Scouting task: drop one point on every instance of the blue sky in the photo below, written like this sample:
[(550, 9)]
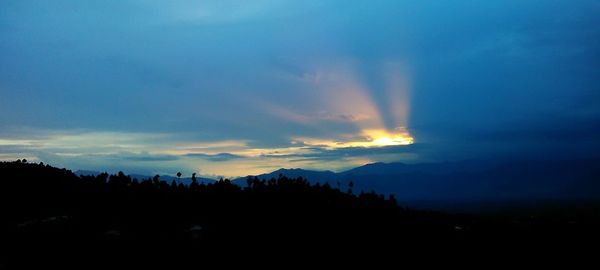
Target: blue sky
[(231, 88)]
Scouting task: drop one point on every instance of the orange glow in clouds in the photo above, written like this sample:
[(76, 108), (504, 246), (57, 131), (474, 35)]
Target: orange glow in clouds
[(384, 138), (344, 93), (369, 138)]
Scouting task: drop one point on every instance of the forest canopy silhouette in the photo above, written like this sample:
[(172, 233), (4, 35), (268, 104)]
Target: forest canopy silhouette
[(46, 209)]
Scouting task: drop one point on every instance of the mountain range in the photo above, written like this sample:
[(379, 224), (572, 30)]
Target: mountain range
[(466, 180), (474, 180)]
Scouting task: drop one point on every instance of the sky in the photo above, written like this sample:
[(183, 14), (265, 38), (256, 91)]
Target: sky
[(231, 88)]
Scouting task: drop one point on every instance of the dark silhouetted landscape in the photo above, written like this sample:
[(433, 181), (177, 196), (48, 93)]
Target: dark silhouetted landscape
[(191, 134), (62, 219)]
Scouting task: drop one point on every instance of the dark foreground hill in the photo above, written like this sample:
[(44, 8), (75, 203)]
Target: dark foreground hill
[(52, 217)]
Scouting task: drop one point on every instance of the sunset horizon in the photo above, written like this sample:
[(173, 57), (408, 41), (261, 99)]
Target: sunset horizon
[(235, 88)]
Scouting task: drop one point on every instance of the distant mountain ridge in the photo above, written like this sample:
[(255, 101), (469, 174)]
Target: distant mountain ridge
[(450, 181), (467, 180)]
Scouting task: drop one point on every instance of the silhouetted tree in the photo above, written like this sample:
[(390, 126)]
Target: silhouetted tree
[(392, 199), (249, 181), (102, 178)]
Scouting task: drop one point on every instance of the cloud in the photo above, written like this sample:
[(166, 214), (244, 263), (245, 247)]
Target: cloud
[(148, 157), (107, 150), (324, 154), (236, 87), (556, 130), (214, 12), (216, 157)]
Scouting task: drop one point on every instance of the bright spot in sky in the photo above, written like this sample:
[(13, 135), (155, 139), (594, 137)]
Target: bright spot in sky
[(369, 138), (385, 138)]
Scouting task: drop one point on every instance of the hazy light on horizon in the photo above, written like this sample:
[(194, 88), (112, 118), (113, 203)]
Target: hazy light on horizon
[(232, 87)]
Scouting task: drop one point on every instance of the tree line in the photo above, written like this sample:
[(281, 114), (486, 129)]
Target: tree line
[(45, 208)]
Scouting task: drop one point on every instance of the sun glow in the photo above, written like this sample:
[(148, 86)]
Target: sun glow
[(382, 121), (368, 139), (385, 138)]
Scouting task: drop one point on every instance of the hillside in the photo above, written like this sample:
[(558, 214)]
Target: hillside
[(468, 180), (54, 214)]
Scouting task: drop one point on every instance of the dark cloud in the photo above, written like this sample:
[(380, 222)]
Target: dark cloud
[(216, 157), (13, 149), (323, 154), (149, 157), (484, 78), (555, 130)]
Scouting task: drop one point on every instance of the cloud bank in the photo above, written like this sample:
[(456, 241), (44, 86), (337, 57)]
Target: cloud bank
[(240, 87)]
